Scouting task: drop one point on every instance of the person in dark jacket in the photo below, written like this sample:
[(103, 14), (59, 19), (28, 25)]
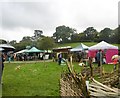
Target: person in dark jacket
[(1, 65), (99, 57), (59, 58)]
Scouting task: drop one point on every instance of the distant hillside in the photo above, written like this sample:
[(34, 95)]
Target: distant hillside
[(76, 44)]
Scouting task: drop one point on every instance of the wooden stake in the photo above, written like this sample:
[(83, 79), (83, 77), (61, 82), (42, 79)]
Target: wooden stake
[(104, 86)]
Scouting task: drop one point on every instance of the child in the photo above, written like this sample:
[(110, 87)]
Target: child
[(115, 63)]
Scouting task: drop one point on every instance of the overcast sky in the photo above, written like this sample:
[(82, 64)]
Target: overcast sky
[(20, 18)]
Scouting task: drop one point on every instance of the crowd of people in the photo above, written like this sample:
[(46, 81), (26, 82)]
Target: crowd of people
[(100, 58), (25, 57)]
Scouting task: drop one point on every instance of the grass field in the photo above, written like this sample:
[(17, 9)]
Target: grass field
[(35, 79), (32, 79)]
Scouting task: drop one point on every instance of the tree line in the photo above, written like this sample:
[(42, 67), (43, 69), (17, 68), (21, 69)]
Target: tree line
[(65, 34)]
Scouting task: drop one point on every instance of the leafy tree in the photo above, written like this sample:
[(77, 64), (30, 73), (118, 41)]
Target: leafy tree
[(63, 34), (37, 35), (46, 43), (13, 42), (82, 36), (3, 41), (105, 34), (90, 33), (115, 35), (22, 45), (26, 38), (26, 41), (75, 37)]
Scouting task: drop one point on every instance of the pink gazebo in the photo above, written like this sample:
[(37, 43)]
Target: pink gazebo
[(109, 49)]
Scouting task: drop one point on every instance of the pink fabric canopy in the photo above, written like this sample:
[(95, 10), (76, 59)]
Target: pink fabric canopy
[(109, 54), (110, 50)]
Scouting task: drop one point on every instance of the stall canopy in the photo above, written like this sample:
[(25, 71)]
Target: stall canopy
[(108, 49), (34, 50), (22, 51), (7, 47), (62, 49), (80, 48), (1, 49), (103, 45)]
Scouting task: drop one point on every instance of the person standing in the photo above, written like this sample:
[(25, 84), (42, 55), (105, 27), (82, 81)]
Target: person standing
[(99, 57), (59, 58), (91, 66), (2, 59), (53, 57), (115, 63)]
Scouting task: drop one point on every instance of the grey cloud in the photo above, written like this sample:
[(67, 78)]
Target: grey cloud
[(48, 14), (27, 14)]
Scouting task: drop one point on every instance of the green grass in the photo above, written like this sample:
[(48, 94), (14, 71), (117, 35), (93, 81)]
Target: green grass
[(107, 67), (34, 79)]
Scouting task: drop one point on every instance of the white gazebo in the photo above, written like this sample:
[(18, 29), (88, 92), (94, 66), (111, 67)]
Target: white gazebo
[(21, 51), (103, 45), (7, 47), (81, 47)]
